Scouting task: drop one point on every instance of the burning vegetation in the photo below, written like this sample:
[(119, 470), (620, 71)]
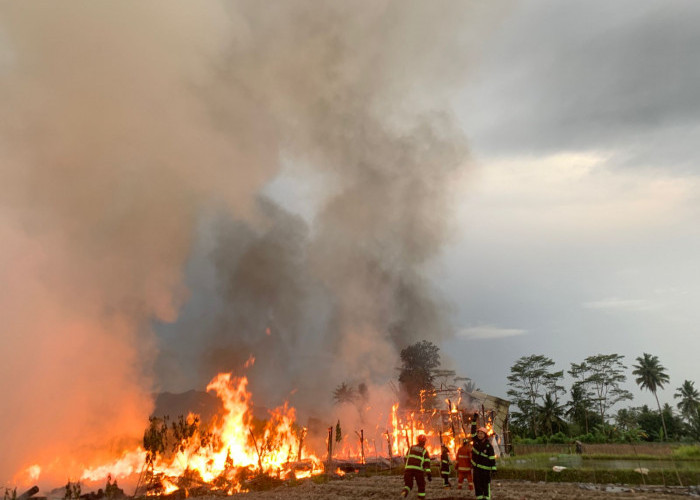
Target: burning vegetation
[(237, 452), (239, 449)]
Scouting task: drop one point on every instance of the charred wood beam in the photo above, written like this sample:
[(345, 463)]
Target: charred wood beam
[(29, 493)]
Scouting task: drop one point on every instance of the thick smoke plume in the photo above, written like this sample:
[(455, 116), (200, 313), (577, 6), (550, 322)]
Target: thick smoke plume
[(135, 133)]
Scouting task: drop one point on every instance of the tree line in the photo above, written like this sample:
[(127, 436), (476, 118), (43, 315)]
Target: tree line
[(538, 412)]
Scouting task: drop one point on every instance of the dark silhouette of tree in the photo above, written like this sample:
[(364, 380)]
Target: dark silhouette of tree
[(626, 419), (689, 403), (605, 375), (581, 396), (468, 385), (442, 376), (357, 396), (530, 380), (651, 376), (550, 414), (338, 432), (419, 362), (344, 393), (578, 407)]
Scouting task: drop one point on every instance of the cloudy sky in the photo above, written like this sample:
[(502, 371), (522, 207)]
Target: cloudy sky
[(578, 226)]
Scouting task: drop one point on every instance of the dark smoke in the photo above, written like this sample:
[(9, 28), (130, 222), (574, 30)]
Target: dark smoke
[(136, 143), (360, 98)]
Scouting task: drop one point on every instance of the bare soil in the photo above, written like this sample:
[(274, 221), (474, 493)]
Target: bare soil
[(390, 487)]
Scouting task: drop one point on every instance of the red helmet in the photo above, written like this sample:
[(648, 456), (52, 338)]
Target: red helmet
[(422, 439)]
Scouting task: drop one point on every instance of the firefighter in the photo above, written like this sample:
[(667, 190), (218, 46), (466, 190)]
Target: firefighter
[(445, 466), (464, 457), (417, 467), (483, 463), (464, 465)]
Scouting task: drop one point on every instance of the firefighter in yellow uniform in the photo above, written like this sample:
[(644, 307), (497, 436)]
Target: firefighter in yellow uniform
[(445, 466), (484, 464), (417, 468)]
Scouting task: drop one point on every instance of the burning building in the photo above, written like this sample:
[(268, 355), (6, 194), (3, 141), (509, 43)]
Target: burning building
[(237, 449)]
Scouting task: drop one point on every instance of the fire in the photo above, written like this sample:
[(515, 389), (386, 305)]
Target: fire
[(302, 474), (230, 453), (169, 487), (235, 442)]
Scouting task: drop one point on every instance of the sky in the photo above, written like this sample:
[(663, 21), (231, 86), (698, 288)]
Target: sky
[(321, 184), (578, 227)]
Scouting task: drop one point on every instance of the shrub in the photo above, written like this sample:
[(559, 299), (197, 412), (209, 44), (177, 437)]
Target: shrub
[(687, 452)]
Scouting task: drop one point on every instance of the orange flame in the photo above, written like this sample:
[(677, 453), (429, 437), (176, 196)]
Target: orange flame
[(236, 442)]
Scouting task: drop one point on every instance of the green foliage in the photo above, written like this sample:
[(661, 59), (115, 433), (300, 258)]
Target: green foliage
[(154, 437), (161, 438), (549, 415), (689, 405), (338, 433), (605, 375), (531, 380), (687, 452), (652, 376)]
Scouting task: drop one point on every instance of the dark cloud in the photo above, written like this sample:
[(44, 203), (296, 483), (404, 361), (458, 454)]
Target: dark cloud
[(593, 75)]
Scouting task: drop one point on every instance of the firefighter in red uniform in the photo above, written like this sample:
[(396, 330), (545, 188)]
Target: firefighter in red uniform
[(417, 467), (464, 457), (445, 466), (484, 464)]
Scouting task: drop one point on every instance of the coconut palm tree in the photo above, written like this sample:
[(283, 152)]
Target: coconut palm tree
[(689, 403), (651, 375), (550, 414)]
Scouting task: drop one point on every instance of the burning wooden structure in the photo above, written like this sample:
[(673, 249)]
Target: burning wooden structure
[(238, 452)]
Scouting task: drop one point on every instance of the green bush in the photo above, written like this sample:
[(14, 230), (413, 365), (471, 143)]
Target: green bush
[(687, 452), (559, 438)]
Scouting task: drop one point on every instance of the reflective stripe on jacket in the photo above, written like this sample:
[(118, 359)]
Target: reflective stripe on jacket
[(418, 458), (483, 456), (464, 457), (445, 463)]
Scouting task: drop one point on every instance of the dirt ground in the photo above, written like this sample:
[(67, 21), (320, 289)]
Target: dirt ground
[(390, 487)]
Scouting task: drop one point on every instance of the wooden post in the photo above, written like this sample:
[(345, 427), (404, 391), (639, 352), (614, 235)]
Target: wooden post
[(391, 455), (302, 434), (330, 448), (362, 444)]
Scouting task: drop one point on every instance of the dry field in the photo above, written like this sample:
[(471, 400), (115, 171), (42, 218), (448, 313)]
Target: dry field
[(390, 487)]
